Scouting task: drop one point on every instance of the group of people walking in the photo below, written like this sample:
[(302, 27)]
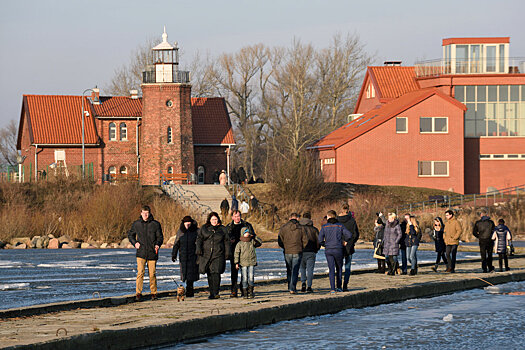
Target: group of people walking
[(206, 250)]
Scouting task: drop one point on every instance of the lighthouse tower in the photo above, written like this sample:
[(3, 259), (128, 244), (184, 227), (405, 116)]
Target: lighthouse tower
[(167, 130)]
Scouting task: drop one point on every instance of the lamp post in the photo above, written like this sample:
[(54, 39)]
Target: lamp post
[(20, 159), (84, 113)]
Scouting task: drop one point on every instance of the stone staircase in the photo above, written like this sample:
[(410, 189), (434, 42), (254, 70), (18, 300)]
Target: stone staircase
[(202, 198)]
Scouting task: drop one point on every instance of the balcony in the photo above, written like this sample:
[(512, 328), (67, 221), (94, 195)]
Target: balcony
[(436, 68), (175, 76)]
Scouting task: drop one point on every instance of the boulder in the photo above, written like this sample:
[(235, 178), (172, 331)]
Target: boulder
[(3, 245), (64, 239), (124, 243), (39, 244), (8, 246), (51, 236), (66, 246), (74, 244), (21, 246), (24, 240), (114, 245), (34, 242), (129, 246), (85, 245), (53, 244), (104, 245), (171, 240)]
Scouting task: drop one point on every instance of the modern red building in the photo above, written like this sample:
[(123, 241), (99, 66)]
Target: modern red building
[(457, 123), (164, 131)]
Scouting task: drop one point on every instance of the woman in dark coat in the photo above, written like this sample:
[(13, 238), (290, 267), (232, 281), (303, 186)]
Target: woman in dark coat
[(391, 237), (379, 231), (439, 242), (213, 248), (185, 247)]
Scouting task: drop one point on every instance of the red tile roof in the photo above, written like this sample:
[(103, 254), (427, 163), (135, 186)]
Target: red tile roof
[(211, 122), (58, 119), (393, 81), (378, 116), (118, 106)]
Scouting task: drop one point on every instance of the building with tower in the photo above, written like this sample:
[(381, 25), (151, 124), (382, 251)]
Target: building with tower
[(165, 131), (455, 123)]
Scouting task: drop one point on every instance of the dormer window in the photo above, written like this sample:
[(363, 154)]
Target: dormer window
[(370, 91)]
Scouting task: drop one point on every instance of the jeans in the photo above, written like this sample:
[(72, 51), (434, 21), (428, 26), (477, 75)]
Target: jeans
[(307, 268), (412, 256), (404, 264), (485, 249), (293, 262), (348, 269), (334, 258), (451, 252), (141, 268), (247, 276), (441, 255)]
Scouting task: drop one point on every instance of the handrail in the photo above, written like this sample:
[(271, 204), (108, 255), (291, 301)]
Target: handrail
[(177, 193), (460, 199), (265, 209)]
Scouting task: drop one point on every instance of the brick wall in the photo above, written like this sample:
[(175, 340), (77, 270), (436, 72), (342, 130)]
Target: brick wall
[(211, 158), (383, 157)]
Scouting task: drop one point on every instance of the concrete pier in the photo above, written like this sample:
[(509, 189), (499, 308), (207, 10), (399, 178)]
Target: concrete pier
[(117, 323)]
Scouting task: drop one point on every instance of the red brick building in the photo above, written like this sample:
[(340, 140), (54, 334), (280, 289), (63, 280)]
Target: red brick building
[(164, 131), (457, 123)]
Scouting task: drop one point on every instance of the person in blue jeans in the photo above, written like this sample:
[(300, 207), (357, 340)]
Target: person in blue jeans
[(412, 239), (309, 252), (333, 237), (347, 219), (292, 238)]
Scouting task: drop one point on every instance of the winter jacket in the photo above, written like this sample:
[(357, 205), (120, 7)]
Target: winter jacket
[(437, 236), (235, 204), (502, 237), (185, 246), (392, 237), (332, 235), (483, 229), (379, 233), (403, 227), (244, 254), (212, 249), (225, 205), (349, 222), (413, 237), (292, 237), (452, 231), (312, 233), (234, 232), (149, 234)]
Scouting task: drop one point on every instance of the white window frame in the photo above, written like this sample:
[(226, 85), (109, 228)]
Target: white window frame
[(328, 161), (500, 156), (433, 126), (432, 168), (125, 170), (406, 125), (169, 135), (112, 127), (123, 132), (370, 91)]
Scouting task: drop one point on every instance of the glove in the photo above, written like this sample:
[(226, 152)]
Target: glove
[(173, 259)]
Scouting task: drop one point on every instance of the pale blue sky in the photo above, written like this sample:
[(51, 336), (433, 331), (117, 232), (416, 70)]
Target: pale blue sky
[(65, 47)]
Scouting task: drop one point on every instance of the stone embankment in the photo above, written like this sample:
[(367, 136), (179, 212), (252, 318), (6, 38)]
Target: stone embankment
[(119, 323)]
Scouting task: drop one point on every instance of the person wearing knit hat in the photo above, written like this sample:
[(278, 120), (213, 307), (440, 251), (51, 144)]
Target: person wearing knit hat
[(245, 259), (184, 246)]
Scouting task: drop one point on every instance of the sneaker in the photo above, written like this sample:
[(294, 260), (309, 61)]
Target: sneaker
[(293, 292), (507, 269), (332, 292), (138, 297), (303, 288), (345, 288), (404, 273), (309, 290), (153, 296), (434, 268)]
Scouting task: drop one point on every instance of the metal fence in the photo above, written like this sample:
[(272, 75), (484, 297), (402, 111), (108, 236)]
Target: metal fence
[(26, 173)]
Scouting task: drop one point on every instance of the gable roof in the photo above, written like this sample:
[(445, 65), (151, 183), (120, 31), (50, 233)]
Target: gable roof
[(118, 106), (55, 119), (211, 122), (378, 116)]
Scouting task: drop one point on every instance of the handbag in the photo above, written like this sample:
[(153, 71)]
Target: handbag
[(378, 253)]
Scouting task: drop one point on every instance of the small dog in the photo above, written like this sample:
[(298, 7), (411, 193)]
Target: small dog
[(181, 293)]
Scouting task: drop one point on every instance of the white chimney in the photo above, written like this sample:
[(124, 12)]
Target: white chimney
[(134, 94)]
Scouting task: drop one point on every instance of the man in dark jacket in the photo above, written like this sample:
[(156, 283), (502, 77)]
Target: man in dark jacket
[(146, 235), (292, 239), (483, 230), (234, 229), (235, 204), (333, 237), (309, 252), (346, 218), (225, 209)]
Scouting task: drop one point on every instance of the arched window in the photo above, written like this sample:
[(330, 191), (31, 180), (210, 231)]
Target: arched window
[(112, 170), (200, 174), (170, 170), (112, 132), (123, 169), (123, 132), (170, 136)]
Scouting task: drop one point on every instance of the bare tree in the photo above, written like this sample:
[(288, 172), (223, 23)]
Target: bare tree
[(8, 138)]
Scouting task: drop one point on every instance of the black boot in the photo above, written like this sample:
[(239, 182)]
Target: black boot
[(189, 290), (234, 291), (435, 268), (250, 293)]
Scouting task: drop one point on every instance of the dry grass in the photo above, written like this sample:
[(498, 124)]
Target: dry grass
[(82, 210)]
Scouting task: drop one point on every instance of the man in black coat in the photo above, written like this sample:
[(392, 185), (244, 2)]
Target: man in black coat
[(483, 230), (146, 235), (346, 218), (234, 229)]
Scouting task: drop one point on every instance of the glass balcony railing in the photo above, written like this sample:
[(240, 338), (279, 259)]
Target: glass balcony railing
[(176, 76), (434, 68)]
